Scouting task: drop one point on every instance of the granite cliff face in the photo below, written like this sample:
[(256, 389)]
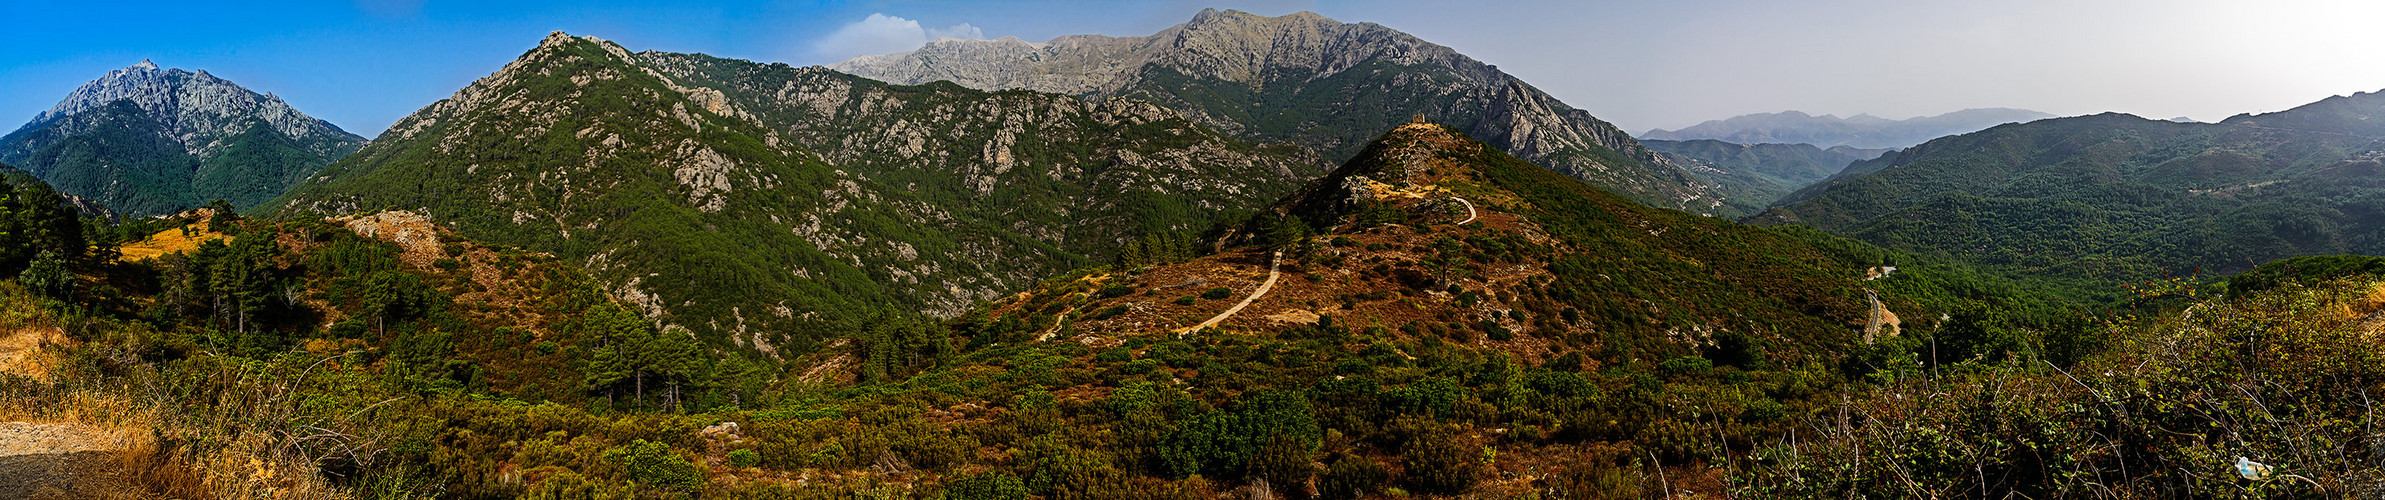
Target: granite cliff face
[(1313, 82), (146, 140), (773, 207)]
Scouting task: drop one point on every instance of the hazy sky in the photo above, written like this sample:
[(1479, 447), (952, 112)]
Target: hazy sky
[(1641, 64)]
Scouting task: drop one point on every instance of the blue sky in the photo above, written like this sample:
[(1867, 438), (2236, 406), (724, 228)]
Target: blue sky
[(364, 64)]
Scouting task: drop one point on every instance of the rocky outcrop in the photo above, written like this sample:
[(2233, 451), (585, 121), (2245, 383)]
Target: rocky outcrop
[(1313, 82)]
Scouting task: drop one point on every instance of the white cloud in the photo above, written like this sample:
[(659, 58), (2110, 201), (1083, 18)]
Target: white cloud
[(884, 34)]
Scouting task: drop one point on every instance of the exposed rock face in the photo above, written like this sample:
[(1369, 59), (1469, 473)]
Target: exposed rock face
[(199, 108), (146, 140), (412, 232), (705, 189), (1227, 45), (1310, 81)]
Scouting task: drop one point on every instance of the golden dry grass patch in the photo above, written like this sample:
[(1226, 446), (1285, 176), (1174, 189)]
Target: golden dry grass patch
[(22, 351), (2368, 309), (175, 240)]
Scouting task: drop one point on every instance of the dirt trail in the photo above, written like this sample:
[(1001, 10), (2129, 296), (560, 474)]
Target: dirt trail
[(1470, 214), (45, 461), (1881, 319), (58, 461), (1274, 270)]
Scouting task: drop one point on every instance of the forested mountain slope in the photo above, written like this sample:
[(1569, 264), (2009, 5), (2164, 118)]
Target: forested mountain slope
[(1761, 173), (690, 185), (2120, 197)]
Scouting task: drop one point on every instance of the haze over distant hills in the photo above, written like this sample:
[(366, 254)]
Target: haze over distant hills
[(1314, 82), (1761, 173), (1861, 131), (2122, 197), (143, 140)]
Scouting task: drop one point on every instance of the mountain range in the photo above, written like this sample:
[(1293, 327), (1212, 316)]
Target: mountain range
[(145, 141), (1245, 257), (1761, 173), (1319, 84), (780, 206), (2121, 197), (1860, 131)]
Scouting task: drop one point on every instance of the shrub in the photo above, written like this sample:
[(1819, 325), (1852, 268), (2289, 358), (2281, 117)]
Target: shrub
[(1437, 462), (1349, 478), (1284, 462), (1107, 312), (1216, 293), (1686, 365), (1141, 366), (994, 485), (1186, 300), (653, 464), (744, 458)]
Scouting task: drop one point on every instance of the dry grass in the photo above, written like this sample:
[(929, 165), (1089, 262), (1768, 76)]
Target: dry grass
[(170, 241), (237, 449), (22, 353)]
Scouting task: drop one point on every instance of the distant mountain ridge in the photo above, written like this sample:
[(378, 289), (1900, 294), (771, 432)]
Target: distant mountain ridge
[(144, 141), (773, 207), (1314, 82), (2117, 196), (1762, 173), (1860, 131)]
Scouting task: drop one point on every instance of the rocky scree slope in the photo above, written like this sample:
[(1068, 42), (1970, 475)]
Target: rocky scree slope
[(689, 184), (148, 141), (2115, 196), (1320, 84)]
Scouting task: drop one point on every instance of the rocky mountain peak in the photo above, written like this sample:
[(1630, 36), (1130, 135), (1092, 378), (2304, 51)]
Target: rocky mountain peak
[(198, 107), (145, 140), (1313, 82)]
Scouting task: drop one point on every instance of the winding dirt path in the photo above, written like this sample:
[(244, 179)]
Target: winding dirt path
[(1470, 214), (1274, 270), (1880, 317)]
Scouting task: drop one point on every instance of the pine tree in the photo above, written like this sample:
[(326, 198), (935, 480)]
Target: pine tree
[(619, 338), (676, 357)]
